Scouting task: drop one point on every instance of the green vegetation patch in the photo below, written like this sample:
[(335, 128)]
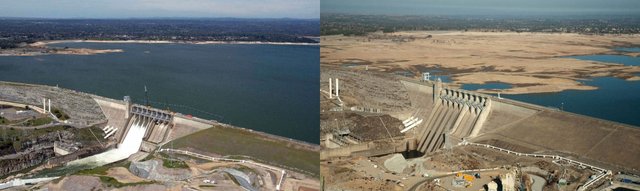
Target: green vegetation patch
[(112, 182), (169, 163), (3, 120), (38, 121), (86, 135), (59, 114), (245, 169), (16, 136), (102, 170), (231, 141)]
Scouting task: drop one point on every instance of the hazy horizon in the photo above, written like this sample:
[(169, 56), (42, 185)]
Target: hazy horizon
[(162, 18), (131, 9), (486, 7)]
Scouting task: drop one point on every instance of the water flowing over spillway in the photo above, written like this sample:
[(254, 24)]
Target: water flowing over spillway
[(129, 146)]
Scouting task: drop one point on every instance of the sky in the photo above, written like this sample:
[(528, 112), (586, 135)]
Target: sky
[(304, 9), (482, 7)]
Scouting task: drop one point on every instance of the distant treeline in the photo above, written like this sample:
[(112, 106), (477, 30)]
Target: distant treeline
[(346, 24), (14, 31)]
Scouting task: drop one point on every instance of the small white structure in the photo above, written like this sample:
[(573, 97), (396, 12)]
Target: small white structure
[(338, 88), (508, 182), (44, 106), (492, 186), (330, 88)]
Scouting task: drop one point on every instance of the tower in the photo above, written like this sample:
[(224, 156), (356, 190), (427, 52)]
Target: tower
[(436, 89), (330, 89), (44, 105), (337, 87), (127, 103)]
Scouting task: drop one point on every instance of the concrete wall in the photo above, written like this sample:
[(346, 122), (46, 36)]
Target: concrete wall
[(115, 113), (183, 126), (458, 112), (365, 150), (504, 113)]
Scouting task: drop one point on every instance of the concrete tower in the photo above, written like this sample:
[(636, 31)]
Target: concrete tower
[(436, 89), (44, 105), (127, 104), (337, 87), (330, 89)]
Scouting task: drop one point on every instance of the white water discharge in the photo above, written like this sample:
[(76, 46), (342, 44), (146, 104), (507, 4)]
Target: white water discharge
[(129, 146)]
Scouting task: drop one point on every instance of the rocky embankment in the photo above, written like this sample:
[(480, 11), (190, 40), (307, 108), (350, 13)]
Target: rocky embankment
[(19, 152), (153, 170), (80, 107), (25, 160)]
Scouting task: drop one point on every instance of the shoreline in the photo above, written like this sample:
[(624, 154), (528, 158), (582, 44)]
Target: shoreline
[(303, 144), (44, 43), (532, 62), (41, 48)]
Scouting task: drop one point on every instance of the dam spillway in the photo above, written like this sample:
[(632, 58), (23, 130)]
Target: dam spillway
[(130, 145), (456, 114), (144, 124)]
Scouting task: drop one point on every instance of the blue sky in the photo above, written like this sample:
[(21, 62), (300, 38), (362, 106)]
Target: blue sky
[(481, 7), (160, 8)]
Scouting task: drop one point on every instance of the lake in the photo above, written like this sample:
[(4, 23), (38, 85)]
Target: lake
[(618, 59), (269, 88), (615, 99)]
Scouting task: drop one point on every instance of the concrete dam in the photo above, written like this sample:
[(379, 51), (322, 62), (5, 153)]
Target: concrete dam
[(436, 116), (135, 128), (456, 114)]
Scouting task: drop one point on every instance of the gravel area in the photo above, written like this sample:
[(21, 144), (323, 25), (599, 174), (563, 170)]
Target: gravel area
[(367, 89), (80, 107)]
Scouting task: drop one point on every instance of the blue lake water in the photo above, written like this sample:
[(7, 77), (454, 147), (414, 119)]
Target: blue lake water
[(619, 59), (486, 86), (436, 73), (269, 88), (628, 49), (615, 99)]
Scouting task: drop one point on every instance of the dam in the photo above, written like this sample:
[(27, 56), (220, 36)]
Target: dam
[(136, 128), (456, 114), (451, 116)]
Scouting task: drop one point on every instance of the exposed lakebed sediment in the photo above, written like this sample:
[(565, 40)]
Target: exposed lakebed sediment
[(530, 62)]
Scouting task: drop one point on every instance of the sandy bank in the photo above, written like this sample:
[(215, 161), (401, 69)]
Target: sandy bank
[(531, 62)]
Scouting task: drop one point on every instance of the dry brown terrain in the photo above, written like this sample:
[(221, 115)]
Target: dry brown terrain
[(41, 48), (532, 62)]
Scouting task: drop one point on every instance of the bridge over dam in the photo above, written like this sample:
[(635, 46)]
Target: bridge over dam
[(450, 115)]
